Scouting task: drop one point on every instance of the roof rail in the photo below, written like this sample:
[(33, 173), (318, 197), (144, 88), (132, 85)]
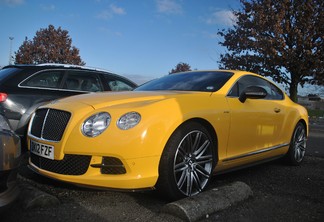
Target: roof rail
[(72, 66)]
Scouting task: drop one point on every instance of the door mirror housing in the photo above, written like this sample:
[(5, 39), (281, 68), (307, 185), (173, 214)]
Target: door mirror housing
[(253, 92)]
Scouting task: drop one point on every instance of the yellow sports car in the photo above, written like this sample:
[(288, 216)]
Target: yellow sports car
[(171, 133)]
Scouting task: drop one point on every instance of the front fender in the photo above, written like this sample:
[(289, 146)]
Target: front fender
[(146, 139)]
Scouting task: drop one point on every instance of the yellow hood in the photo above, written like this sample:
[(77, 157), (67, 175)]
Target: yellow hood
[(109, 99)]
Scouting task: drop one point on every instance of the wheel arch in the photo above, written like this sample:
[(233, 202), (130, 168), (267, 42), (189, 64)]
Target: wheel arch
[(294, 157), (302, 121), (167, 183)]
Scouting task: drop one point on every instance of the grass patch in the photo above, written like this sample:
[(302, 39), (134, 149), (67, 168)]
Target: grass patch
[(315, 113)]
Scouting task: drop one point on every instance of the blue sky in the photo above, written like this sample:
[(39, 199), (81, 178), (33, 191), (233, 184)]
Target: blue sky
[(140, 39)]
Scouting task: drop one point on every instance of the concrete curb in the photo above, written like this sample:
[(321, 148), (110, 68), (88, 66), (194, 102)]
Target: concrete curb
[(208, 202), (31, 197)]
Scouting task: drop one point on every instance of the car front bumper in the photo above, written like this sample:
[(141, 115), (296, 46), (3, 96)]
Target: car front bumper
[(139, 174)]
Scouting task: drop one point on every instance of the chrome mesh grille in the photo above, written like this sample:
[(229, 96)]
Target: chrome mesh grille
[(49, 124)]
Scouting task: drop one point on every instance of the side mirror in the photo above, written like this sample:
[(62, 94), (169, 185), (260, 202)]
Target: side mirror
[(253, 92)]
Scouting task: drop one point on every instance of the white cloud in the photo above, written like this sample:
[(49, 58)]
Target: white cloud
[(105, 15), (48, 7), (13, 2), (221, 17), (168, 7), (109, 32), (117, 10), (110, 12)]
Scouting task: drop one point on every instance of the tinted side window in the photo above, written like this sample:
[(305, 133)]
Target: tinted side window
[(276, 93), (47, 79), (82, 81), (246, 81), (116, 83)]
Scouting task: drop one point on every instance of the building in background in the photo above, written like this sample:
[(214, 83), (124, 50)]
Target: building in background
[(312, 101)]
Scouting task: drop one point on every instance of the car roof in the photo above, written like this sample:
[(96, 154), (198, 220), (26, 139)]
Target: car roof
[(58, 66), (55, 65)]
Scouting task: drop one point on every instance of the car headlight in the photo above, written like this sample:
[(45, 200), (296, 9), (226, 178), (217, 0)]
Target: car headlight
[(96, 124), (128, 120)]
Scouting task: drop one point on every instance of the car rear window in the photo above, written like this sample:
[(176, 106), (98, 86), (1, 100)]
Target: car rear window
[(4, 73), (46, 79)]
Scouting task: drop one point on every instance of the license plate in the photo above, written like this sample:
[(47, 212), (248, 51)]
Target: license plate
[(42, 150)]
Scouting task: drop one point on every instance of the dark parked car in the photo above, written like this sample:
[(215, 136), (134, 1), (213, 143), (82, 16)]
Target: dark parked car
[(10, 152), (23, 88)]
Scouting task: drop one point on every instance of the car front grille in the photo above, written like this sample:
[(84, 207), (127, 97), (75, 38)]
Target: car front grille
[(69, 165), (49, 124)]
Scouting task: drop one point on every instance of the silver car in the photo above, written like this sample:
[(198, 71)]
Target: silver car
[(10, 153)]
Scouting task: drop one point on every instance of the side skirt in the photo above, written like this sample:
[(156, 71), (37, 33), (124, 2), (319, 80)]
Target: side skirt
[(256, 152), (248, 165)]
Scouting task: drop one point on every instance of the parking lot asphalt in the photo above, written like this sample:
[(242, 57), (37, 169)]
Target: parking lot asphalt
[(269, 192), (188, 209)]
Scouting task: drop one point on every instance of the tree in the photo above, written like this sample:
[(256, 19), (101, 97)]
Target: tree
[(181, 67), (50, 45), (282, 39)]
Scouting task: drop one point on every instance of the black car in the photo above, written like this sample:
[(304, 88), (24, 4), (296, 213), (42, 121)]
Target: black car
[(23, 88), (10, 155)]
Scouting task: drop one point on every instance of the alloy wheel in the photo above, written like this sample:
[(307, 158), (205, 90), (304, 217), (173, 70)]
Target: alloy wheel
[(193, 163)]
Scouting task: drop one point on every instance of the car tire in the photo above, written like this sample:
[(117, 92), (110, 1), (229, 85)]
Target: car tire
[(297, 148), (187, 162)]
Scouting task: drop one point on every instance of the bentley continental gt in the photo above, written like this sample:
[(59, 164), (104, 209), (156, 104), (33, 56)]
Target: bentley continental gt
[(171, 134)]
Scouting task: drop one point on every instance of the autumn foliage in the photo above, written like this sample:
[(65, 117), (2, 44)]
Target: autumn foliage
[(278, 38), (181, 67), (49, 45)]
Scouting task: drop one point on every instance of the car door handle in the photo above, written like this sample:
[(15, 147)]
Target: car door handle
[(277, 110)]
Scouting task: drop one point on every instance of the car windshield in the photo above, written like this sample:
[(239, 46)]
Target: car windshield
[(206, 81)]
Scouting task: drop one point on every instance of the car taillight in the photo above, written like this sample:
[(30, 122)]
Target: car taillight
[(3, 97)]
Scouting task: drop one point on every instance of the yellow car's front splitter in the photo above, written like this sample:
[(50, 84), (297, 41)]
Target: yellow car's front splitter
[(141, 173)]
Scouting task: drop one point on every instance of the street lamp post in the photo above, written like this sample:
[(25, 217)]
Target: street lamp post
[(10, 57)]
